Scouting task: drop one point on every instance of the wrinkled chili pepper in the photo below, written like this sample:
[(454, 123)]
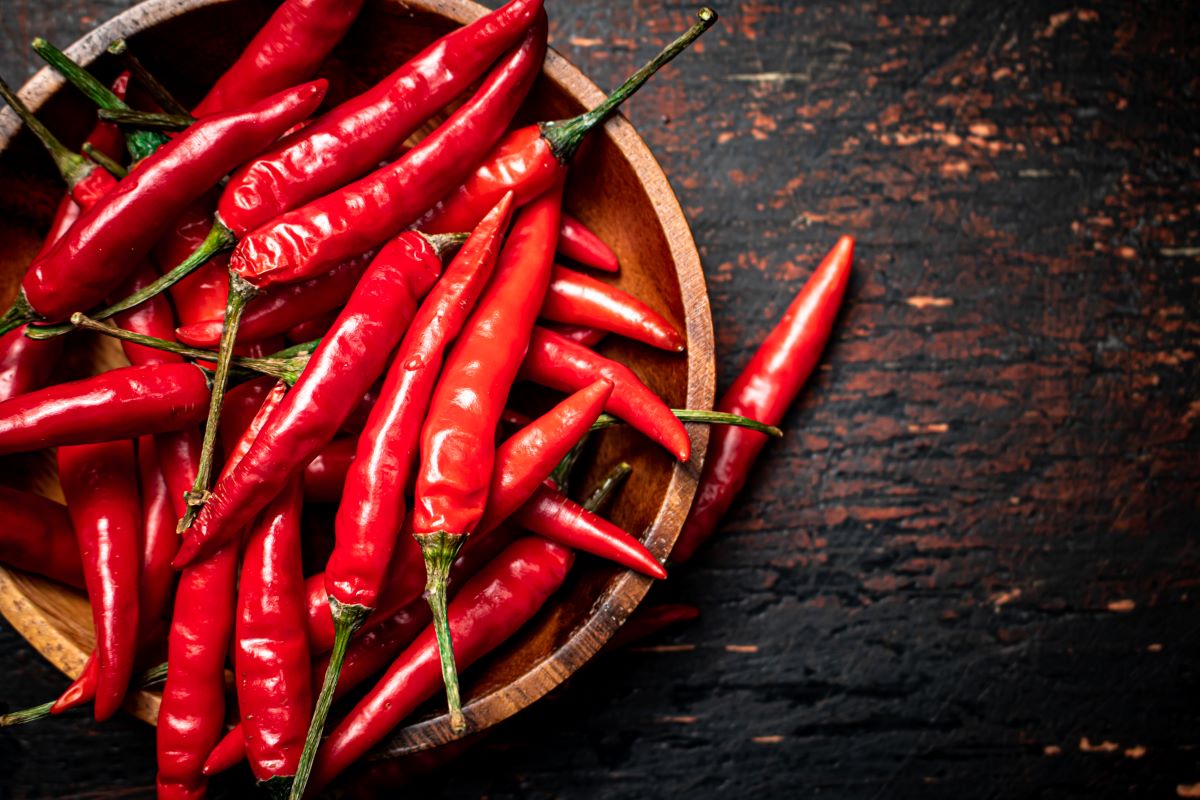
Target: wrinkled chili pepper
[(561, 364), (530, 160), (100, 484), (577, 242), (37, 537), (191, 717), (457, 439), (271, 660), (580, 299), (118, 404), (763, 391), (348, 360)]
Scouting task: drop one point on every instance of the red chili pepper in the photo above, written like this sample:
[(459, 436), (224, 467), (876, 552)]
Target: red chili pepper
[(577, 242), (271, 659), (116, 233), (764, 390), (530, 160), (201, 295), (588, 337), (353, 138), (283, 306), (37, 537), (325, 475), (490, 607), (179, 457), (155, 317), (118, 404), (309, 240), (561, 364), (287, 49), (457, 439), (191, 717), (649, 620), (313, 328), (99, 482), (580, 299), (348, 361)]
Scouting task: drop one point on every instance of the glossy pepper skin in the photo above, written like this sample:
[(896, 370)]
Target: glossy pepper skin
[(121, 403), (309, 240), (154, 317), (288, 49), (487, 610), (577, 242), (108, 240), (561, 364), (351, 139), (100, 484), (192, 715), (348, 361), (271, 659), (763, 391), (37, 537), (201, 295), (580, 299)]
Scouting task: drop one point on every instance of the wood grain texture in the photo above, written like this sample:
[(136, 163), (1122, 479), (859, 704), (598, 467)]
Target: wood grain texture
[(969, 570)]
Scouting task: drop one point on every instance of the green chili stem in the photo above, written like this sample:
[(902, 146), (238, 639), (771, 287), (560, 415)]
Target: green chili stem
[(440, 550), (103, 160), (146, 78), (697, 415), (565, 135), (151, 677), (145, 120), (607, 487), (72, 166), (17, 315)]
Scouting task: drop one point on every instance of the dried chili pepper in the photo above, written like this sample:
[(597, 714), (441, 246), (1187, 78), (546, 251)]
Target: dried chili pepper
[(530, 160), (578, 243), (37, 537), (100, 484), (764, 390), (580, 299)]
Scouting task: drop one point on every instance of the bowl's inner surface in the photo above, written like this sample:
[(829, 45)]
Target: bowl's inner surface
[(605, 190)]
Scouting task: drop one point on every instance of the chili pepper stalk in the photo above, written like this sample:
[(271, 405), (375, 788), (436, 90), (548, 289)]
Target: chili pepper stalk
[(71, 166), (145, 120), (102, 160), (160, 93)]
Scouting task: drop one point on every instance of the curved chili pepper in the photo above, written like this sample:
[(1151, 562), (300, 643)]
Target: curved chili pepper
[(271, 659), (580, 299), (288, 49), (351, 139), (763, 391), (348, 360), (110, 238), (191, 717), (561, 364), (577, 242), (309, 240), (487, 610), (457, 439), (99, 483), (588, 337), (118, 404), (325, 475), (530, 160), (37, 537)]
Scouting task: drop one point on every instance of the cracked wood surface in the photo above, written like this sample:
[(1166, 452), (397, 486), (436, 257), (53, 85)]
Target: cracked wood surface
[(971, 566)]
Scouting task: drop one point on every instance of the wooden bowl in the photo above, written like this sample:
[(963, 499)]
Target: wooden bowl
[(618, 189)]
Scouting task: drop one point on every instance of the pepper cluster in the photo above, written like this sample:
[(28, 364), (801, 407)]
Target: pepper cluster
[(416, 287)]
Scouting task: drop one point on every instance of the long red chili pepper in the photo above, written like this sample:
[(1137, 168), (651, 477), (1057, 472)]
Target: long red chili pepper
[(577, 242), (100, 484), (580, 299), (191, 717), (271, 659), (201, 295), (487, 610), (457, 439), (287, 49), (120, 403), (351, 139), (37, 537), (530, 160), (348, 360), (763, 391), (109, 239), (561, 364)]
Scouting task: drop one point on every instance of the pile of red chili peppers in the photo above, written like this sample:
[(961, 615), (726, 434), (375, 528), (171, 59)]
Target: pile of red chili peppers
[(416, 288)]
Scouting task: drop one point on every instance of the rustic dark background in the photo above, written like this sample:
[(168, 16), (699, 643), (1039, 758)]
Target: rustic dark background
[(971, 568)]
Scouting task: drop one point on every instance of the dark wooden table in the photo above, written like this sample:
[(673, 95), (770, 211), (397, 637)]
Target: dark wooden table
[(971, 568)]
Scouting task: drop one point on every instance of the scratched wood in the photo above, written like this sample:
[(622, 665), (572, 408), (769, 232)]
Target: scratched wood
[(970, 569)]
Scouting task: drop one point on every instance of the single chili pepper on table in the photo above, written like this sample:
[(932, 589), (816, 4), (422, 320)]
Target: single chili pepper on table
[(37, 537), (530, 160), (347, 361), (457, 439), (577, 242), (764, 390), (580, 299), (192, 714), (99, 482)]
